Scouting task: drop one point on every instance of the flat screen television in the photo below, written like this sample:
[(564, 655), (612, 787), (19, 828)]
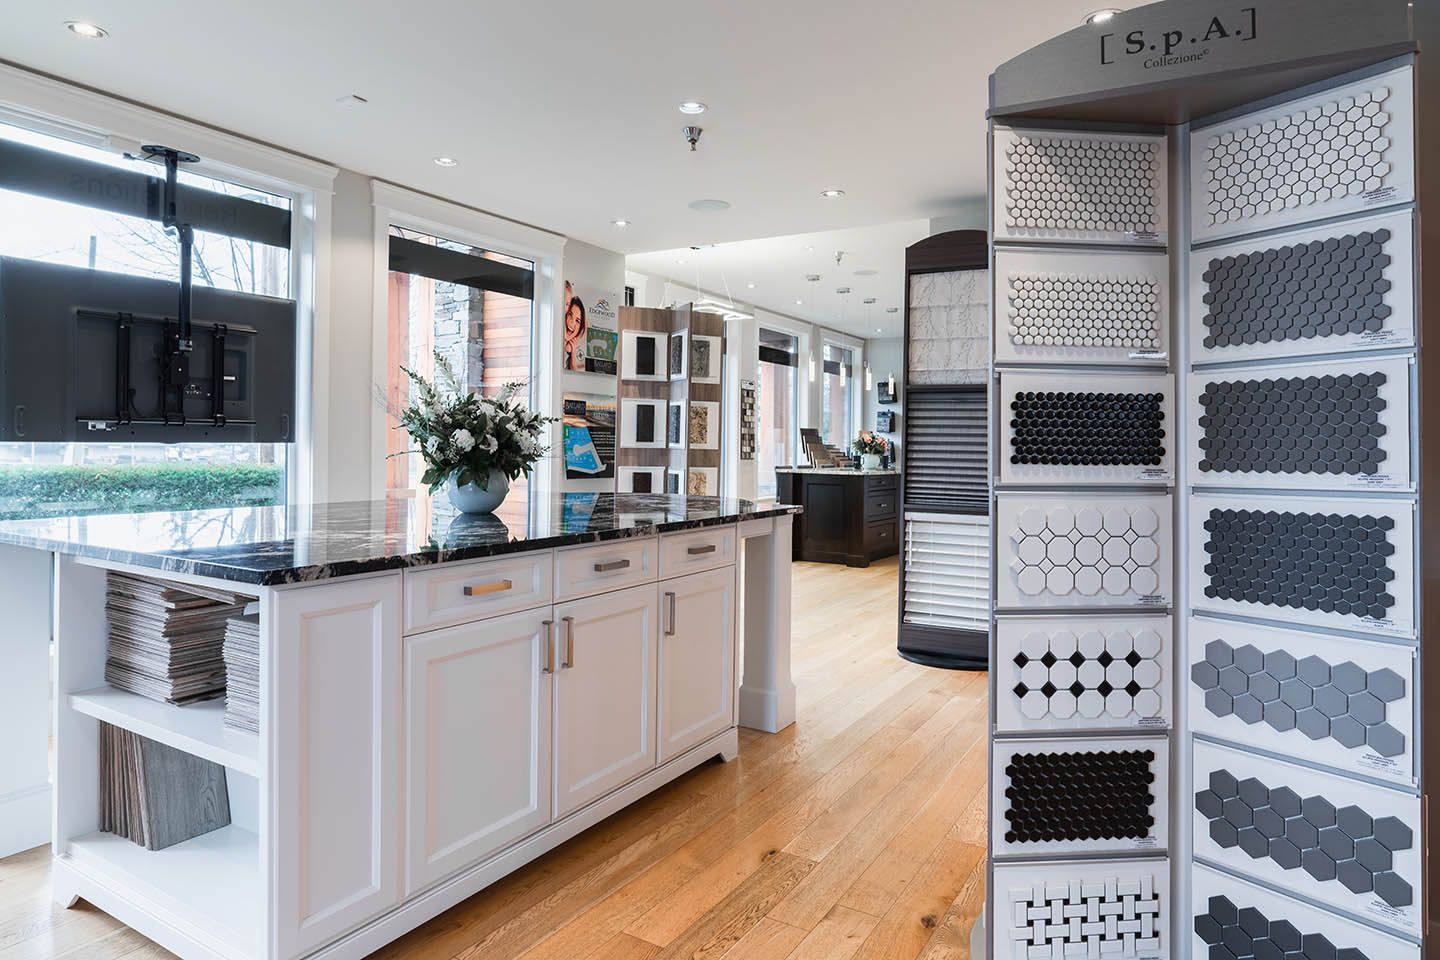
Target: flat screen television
[(82, 354)]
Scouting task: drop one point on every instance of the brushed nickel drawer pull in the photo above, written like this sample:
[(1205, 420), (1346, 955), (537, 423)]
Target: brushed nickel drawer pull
[(481, 589), (569, 660), (549, 665), (609, 565), (669, 614), (700, 551)]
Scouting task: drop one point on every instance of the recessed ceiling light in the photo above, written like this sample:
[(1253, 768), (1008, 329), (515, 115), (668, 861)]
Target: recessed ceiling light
[(808, 248), (832, 194), (1100, 16), (750, 285), (709, 205), (866, 273), (692, 107), (798, 302), (83, 28), (446, 162), (879, 330), (679, 259), (622, 223)]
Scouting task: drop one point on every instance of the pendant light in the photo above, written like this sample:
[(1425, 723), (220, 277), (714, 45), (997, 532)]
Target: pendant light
[(869, 383)]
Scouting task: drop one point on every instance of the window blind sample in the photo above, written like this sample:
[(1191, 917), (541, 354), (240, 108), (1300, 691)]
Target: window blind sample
[(945, 449)]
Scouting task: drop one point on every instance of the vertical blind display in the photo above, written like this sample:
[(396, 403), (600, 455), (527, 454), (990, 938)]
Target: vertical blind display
[(945, 449), (947, 571)]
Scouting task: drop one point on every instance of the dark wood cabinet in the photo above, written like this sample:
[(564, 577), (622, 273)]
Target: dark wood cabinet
[(850, 517)]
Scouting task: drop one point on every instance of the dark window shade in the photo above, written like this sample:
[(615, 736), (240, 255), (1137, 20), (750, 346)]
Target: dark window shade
[(782, 357), (452, 266), (946, 459)]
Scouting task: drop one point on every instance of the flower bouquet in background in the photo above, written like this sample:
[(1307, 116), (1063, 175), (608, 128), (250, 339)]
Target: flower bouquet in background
[(472, 445), (871, 447)]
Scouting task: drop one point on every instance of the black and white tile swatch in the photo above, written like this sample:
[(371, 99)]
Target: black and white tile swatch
[(1089, 675), (1084, 310), (1073, 428), (1078, 184), (1344, 845), (1120, 915), (1342, 702), (1103, 549), (1234, 932), (1079, 796)]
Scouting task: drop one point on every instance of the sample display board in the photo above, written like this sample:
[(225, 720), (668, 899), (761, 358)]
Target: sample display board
[(1208, 631)]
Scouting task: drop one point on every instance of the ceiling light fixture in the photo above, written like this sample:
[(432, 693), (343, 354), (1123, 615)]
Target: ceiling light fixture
[(692, 108), (866, 273), (832, 194), (799, 302), (751, 285), (709, 205), (622, 223), (869, 383), (892, 309), (446, 162), (1100, 16), (83, 28), (811, 364), (679, 259), (868, 300)]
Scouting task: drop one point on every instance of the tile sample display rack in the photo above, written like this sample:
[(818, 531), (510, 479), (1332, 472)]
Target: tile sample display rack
[(670, 387), (1209, 485)]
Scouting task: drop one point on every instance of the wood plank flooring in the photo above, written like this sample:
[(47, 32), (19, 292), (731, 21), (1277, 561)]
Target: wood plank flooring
[(859, 832)]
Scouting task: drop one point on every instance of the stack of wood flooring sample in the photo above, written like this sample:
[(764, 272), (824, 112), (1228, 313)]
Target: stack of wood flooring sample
[(155, 795), (166, 641), (242, 673)]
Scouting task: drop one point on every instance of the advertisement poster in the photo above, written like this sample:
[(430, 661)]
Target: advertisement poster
[(591, 332), (589, 422)]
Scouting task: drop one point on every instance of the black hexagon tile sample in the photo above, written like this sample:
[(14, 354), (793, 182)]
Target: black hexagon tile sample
[(1343, 702), (1065, 428), (1244, 933), (1305, 561), (1345, 846), (1079, 796), (1310, 425)]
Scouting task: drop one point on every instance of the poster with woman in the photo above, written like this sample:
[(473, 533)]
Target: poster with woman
[(590, 333)]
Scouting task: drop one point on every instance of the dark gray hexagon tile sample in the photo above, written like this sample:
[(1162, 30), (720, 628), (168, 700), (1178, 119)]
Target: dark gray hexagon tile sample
[(1342, 702), (1087, 429), (1344, 846), (1233, 932)]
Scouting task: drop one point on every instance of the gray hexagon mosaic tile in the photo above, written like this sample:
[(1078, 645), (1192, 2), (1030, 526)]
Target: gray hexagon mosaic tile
[(1233, 932), (1079, 186), (1081, 910), (1115, 674), (1084, 310), (1310, 696)]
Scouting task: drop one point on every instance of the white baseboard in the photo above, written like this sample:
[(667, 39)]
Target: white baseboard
[(24, 819)]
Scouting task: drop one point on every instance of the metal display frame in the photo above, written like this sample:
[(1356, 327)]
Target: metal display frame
[(1174, 69)]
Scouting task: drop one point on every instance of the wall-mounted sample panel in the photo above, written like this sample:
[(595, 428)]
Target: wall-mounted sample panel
[(1081, 306), (1340, 425), (1083, 673), (1337, 152), (643, 354), (1082, 551), (1329, 289), (641, 480), (1079, 187), (1341, 563), (1338, 841), (1058, 428), (642, 423), (1248, 920), (1068, 909), (1336, 701), (1079, 796)]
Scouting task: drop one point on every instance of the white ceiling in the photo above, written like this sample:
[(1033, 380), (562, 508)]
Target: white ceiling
[(778, 267), (563, 113)]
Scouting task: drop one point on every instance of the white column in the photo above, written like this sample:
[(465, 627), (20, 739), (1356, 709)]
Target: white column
[(767, 693), (24, 699)]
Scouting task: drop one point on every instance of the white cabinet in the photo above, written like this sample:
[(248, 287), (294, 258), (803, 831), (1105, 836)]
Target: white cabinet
[(697, 659), (478, 740), (604, 694)]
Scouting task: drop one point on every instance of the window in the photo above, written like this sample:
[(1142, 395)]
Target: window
[(475, 308), (777, 415), (837, 397), (51, 479)]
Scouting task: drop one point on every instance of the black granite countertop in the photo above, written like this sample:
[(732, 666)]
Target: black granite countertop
[(291, 544)]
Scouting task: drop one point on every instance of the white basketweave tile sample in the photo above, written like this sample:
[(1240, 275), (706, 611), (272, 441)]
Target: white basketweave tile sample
[(1079, 187), (1330, 289), (1083, 551), (1106, 909), (1353, 845), (1083, 673), (1336, 701), (1338, 425), (1081, 306), (1099, 795), (1087, 427), (1326, 561), (1249, 920), (1336, 152)]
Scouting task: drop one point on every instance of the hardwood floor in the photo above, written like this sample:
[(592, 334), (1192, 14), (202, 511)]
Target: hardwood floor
[(859, 832)]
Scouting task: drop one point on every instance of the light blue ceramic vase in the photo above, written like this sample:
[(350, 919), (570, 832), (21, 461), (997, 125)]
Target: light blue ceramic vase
[(471, 498)]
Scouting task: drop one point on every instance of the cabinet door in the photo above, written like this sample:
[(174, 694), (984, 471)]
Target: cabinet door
[(697, 659), (604, 694), (478, 739)]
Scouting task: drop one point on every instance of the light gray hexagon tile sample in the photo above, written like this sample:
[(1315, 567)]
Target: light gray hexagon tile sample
[(1349, 844), (1097, 909)]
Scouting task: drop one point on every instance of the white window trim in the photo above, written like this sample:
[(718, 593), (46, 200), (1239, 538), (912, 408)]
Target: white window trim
[(53, 106), (397, 206), (856, 346)]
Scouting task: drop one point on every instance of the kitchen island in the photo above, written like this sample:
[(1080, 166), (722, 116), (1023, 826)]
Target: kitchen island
[(442, 699), (850, 516)]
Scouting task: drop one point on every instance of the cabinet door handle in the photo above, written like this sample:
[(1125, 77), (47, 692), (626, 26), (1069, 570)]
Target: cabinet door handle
[(569, 660), (549, 665), (607, 565), (481, 589), (669, 614), (701, 551)]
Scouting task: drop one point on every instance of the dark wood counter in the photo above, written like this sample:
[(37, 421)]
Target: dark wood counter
[(851, 516)]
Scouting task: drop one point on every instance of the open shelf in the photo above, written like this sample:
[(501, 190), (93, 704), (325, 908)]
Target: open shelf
[(211, 881), (197, 729)]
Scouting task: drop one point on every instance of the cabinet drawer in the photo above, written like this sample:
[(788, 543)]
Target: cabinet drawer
[(880, 504), (454, 593), (596, 568), (877, 484), (696, 550), (882, 534)]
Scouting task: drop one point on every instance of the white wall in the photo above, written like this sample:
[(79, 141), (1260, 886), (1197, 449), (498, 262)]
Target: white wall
[(886, 357), (352, 256)]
